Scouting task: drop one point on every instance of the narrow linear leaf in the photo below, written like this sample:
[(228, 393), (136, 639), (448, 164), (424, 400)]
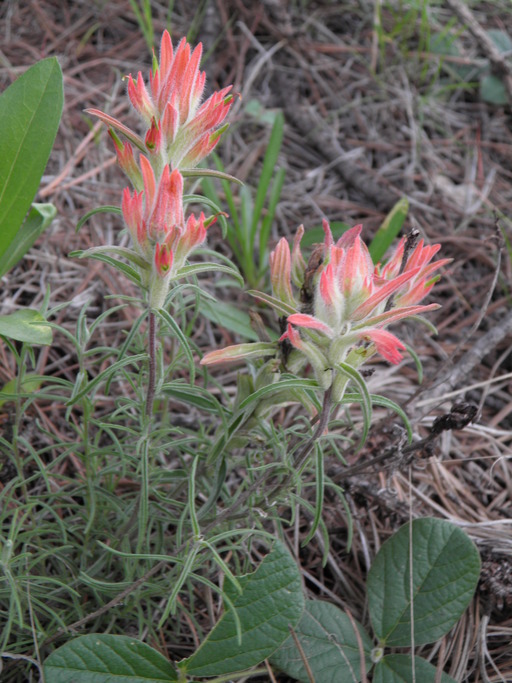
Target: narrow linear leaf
[(266, 223), (366, 401), (192, 395), (271, 602), (98, 209), (405, 669), (124, 268), (330, 644), (209, 173), (105, 658), (276, 304), (445, 571), (178, 333), (269, 165), (195, 268), (124, 252), (276, 387), (388, 230), (131, 360)]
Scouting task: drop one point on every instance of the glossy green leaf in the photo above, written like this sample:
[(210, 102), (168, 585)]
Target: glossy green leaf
[(446, 567), (39, 218), (271, 601), (26, 326), (399, 669), (30, 111), (329, 643), (104, 658), (388, 230)]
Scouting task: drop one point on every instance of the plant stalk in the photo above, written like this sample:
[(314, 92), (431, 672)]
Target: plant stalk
[(152, 364)]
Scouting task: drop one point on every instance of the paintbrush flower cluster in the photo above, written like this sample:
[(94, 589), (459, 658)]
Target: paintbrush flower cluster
[(335, 308), (179, 133)]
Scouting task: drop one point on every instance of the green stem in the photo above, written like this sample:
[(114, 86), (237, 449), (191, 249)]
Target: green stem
[(17, 421), (152, 364)]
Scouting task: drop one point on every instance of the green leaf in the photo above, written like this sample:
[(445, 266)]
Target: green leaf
[(316, 235), (31, 383), (104, 658), (366, 402), (173, 326), (280, 306), (39, 218), (195, 268), (267, 171), (30, 111), (268, 220), (276, 387), (129, 254), (99, 255), (230, 317), (398, 669), (501, 39), (446, 567), (209, 173), (329, 643), (271, 601), (98, 209), (388, 230), (492, 90), (26, 326), (192, 395)]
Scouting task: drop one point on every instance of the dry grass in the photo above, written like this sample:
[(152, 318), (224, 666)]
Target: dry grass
[(355, 142)]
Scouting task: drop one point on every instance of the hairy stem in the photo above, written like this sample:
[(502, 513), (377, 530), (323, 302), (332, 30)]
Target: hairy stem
[(152, 364)]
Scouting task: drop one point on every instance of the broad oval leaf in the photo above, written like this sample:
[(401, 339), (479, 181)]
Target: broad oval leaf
[(30, 111), (330, 645), (399, 669), (26, 326), (39, 218), (30, 384), (446, 567), (105, 658), (271, 602)]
